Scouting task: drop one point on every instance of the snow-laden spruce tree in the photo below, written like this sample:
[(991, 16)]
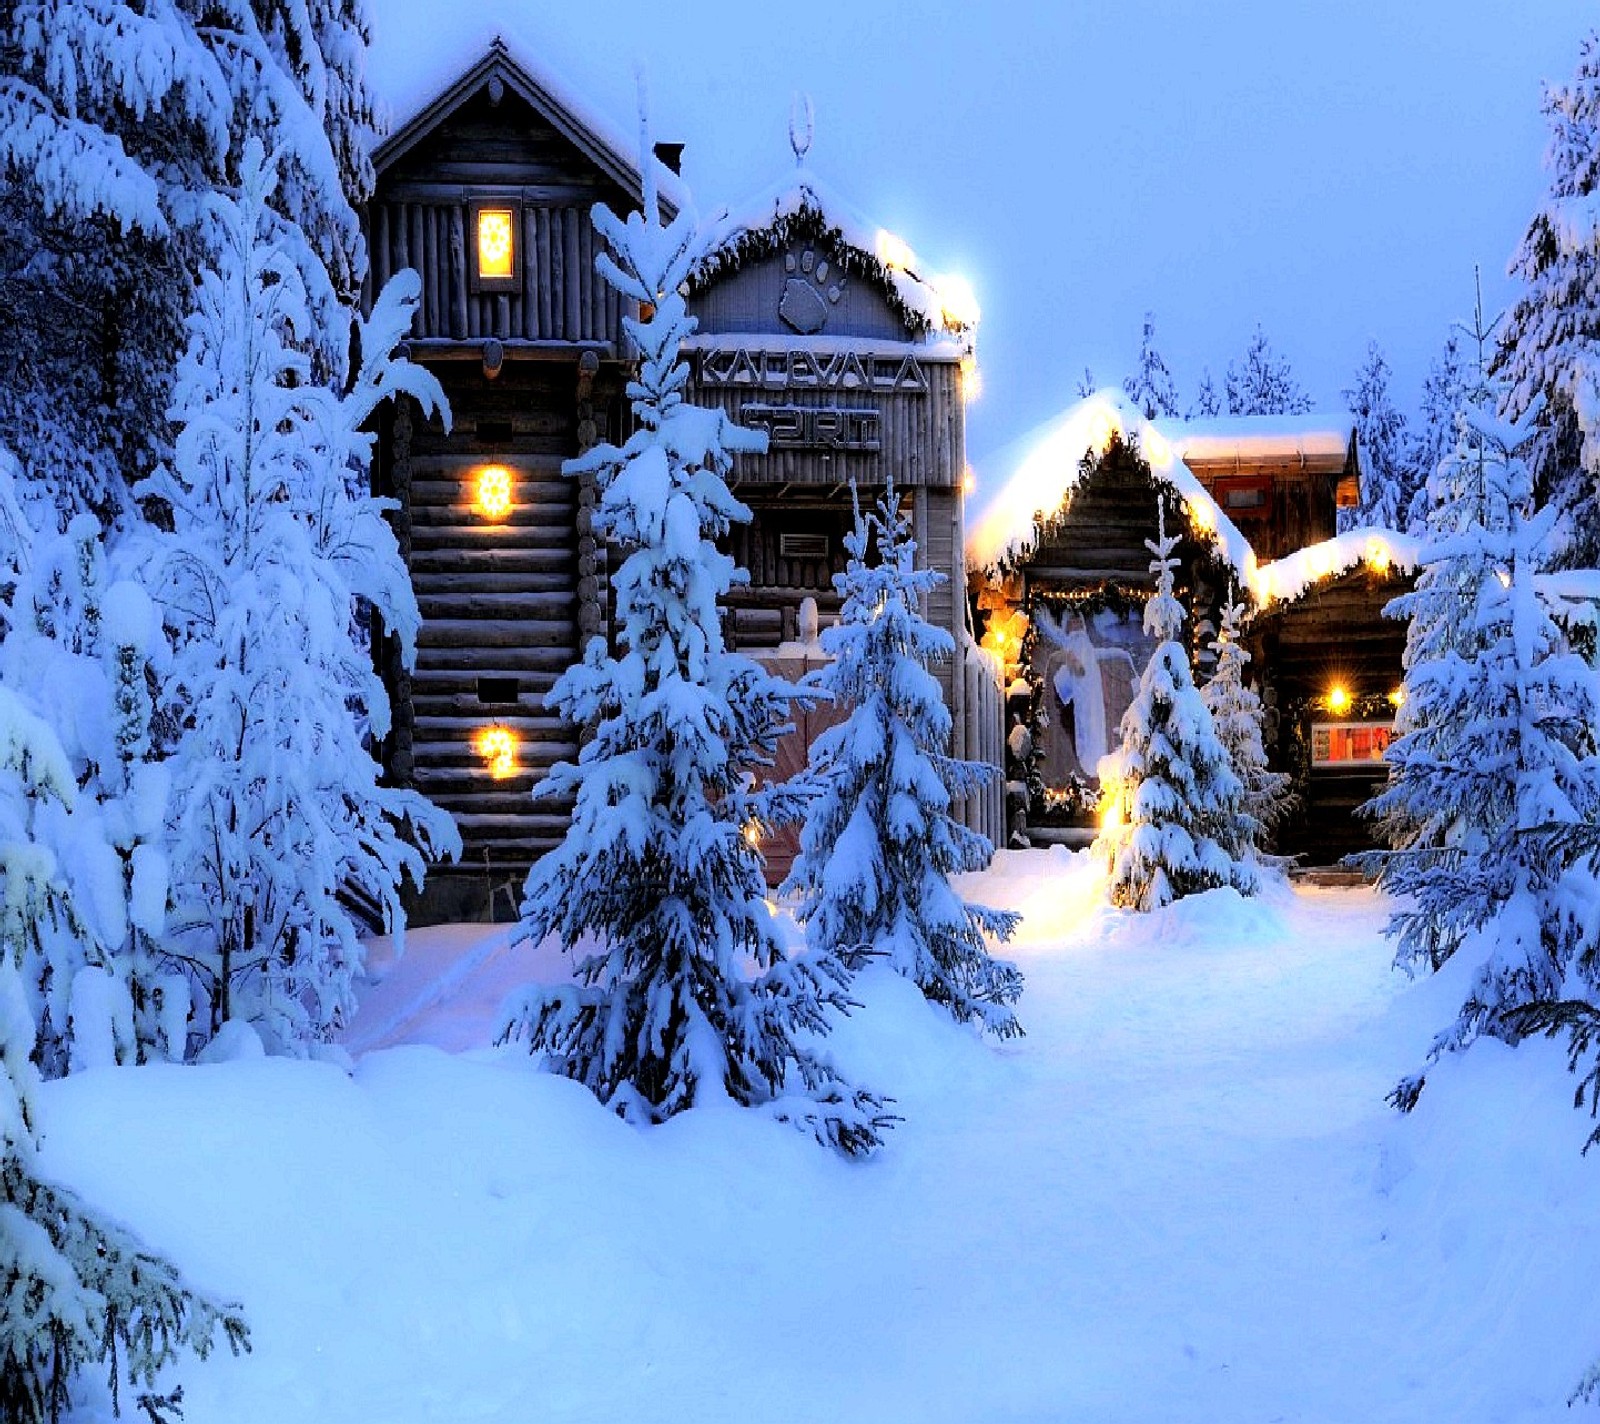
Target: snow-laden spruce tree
[(113, 116), (77, 1291), (1207, 403), (1262, 382), (1381, 434), (1497, 752), (1551, 355), (81, 641), (1433, 438), (684, 995), (1173, 824), (1152, 389), (1236, 714), (272, 541), (879, 844)]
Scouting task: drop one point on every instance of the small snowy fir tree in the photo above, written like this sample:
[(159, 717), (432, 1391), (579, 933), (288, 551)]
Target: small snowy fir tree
[(273, 540), (1262, 383), (1173, 824), (1381, 435), (658, 878), (1152, 389), (76, 1289), (879, 844), (1207, 403), (1236, 713)]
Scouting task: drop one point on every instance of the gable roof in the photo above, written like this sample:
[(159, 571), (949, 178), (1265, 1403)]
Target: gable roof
[(1038, 474), (1316, 443), (802, 203), (602, 143)]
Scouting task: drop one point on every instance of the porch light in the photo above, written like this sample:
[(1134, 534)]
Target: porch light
[(492, 496), (497, 746), (1338, 699)]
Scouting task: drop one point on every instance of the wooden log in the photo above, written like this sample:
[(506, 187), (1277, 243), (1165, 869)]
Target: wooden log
[(558, 278), (572, 287), (458, 272), (491, 633), (432, 271), (542, 269)]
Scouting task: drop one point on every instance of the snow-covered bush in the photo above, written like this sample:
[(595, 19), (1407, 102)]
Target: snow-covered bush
[(1236, 714), (879, 844), (657, 880), (269, 543), (76, 1290), (1172, 824)]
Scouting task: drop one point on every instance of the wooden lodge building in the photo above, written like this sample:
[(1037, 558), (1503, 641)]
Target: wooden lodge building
[(816, 327), (1060, 572), (812, 326)]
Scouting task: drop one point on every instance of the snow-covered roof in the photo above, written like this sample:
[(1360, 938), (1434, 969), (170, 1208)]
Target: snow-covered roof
[(1318, 442), (928, 302), (429, 92), (1292, 577), (1035, 475)]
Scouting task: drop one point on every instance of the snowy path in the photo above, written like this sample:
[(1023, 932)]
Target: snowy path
[(1179, 1198)]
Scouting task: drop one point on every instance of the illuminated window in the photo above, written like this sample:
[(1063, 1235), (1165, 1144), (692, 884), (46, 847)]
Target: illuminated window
[(1350, 743), (496, 261), (491, 495), (498, 747)]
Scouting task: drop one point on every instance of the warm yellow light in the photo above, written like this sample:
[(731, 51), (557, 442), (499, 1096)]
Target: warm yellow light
[(1338, 699), (752, 833), (1110, 809), (496, 244), (1377, 555), (969, 481), (1200, 515), (958, 303), (1104, 426), (971, 381), (498, 747), (1504, 575), (894, 252), (493, 496), (1397, 698), (1156, 448)]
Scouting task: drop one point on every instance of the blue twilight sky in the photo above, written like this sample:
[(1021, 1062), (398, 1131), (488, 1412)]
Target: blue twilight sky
[(1329, 170)]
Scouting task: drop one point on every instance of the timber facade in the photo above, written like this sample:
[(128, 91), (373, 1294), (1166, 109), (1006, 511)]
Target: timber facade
[(849, 367)]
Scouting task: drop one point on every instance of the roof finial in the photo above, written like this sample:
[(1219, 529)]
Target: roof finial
[(802, 124)]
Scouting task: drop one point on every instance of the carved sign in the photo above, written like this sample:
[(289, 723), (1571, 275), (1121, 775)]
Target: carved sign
[(811, 371), (794, 427)]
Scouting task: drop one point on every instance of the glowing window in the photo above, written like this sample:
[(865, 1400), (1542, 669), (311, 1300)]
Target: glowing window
[(1350, 743), (492, 495), (496, 255), (497, 746), (495, 245)]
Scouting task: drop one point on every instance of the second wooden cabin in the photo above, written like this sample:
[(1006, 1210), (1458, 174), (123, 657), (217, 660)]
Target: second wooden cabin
[(1060, 572)]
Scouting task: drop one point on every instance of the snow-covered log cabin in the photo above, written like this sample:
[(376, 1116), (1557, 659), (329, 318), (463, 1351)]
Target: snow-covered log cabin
[(1059, 574), (813, 326)]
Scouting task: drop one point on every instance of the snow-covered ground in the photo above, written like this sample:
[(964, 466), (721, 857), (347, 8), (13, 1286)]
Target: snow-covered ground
[(1180, 1197)]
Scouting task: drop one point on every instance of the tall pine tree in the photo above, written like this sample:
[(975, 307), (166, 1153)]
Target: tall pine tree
[(272, 543), (879, 844), (657, 885), (1552, 340)]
